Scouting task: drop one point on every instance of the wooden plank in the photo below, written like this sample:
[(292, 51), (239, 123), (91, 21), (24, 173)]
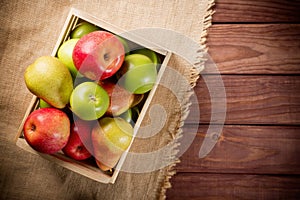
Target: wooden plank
[(233, 186), (255, 48), (257, 11), (249, 99), (245, 149)]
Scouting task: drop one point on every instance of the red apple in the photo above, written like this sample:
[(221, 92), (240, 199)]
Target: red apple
[(120, 99), (47, 130), (79, 146), (98, 55)]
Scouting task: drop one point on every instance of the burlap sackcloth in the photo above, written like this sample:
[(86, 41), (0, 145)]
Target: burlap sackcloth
[(29, 29)]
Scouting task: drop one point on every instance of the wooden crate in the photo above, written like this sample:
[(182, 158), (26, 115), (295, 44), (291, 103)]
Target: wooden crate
[(89, 168)]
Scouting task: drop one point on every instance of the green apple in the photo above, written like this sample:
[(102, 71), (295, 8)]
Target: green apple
[(125, 44), (138, 74), (131, 115), (82, 29), (64, 54), (43, 104), (138, 98), (89, 101), (149, 53)]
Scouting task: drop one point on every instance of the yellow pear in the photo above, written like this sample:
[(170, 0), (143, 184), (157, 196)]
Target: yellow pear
[(49, 79)]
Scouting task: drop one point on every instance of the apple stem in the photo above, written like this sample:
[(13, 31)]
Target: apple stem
[(33, 127), (92, 97), (106, 57)]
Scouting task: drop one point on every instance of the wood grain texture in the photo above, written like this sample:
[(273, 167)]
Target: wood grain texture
[(233, 186), (257, 11), (245, 149), (250, 99), (255, 48), (255, 45)]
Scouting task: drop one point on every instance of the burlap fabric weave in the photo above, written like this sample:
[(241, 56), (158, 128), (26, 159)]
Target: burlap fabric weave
[(29, 29)]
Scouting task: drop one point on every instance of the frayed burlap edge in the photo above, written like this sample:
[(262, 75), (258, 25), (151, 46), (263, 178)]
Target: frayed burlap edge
[(175, 129)]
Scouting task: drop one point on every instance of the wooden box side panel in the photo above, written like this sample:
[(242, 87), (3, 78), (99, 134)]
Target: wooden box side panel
[(32, 106), (129, 35), (64, 161)]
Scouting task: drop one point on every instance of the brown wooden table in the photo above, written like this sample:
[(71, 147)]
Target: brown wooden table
[(256, 46)]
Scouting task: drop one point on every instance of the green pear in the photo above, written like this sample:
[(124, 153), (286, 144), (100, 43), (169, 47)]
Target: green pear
[(50, 80)]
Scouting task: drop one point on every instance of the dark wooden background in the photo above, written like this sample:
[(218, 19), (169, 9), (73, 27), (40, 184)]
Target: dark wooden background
[(256, 46)]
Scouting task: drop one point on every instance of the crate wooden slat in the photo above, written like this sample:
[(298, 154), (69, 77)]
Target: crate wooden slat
[(251, 99), (233, 186), (256, 11), (245, 149), (255, 48)]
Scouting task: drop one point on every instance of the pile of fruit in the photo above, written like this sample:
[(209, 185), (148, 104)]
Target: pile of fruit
[(90, 96)]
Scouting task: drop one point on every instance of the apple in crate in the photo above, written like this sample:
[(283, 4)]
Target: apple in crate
[(44, 104), (111, 137), (79, 146), (150, 54), (47, 130), (65, 53), (89, 101), (138, 74), (98, 55), (82, 29), (120, 99)]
